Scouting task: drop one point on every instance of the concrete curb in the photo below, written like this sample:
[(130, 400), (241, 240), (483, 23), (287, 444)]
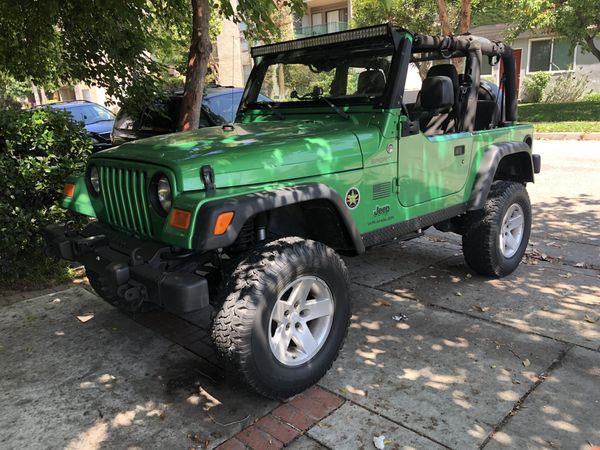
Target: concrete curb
[(568, 136)]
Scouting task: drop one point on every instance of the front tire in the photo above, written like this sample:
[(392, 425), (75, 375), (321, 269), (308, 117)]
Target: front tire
[(285, 316), (496, 237)]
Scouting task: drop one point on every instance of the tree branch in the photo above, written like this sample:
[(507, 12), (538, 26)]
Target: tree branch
[(589, 40)]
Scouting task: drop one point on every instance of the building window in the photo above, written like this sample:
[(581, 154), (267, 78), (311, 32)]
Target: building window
[(550, 55)]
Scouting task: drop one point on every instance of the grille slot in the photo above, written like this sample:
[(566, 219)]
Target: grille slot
[(382, 190), (125, 198)]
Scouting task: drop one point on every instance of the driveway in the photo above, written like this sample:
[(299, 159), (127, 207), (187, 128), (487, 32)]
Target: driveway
[(436, 357)]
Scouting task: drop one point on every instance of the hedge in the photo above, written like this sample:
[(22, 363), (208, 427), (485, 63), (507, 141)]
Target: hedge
[(38, 150)]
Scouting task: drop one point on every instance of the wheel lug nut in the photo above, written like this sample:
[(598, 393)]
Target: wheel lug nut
[(287, 326), (286, 313), (297, 325), (296, 305)]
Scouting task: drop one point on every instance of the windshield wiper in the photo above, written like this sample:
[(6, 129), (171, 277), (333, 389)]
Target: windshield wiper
[(98, 121), (337, 109)]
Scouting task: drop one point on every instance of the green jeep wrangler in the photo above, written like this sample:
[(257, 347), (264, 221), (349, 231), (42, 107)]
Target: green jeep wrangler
[(373, 135)]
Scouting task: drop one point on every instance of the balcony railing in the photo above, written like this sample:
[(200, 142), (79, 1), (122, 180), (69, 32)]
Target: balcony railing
[(316, 30)]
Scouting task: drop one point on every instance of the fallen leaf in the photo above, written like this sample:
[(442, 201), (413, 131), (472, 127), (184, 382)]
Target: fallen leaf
[(399, 317), (553, 244), (85, 318), (516, 382), (565, 275), (481, 308), (343, 390), (492, 366), (580, 264), (469, 275), (458, 294), (526, 362), (589, 319), (381, 302)]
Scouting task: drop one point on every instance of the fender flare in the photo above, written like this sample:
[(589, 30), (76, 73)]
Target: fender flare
[(247, 206), (488, 166)]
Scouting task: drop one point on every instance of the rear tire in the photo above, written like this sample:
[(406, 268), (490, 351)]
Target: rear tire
[(285, 316), (496, 237)]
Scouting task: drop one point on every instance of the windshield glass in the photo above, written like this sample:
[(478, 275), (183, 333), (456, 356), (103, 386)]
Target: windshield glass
[(346, 76), (87, 114)]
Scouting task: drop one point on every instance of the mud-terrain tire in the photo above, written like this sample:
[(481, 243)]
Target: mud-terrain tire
[(276, 297), (493, 244), (109, 295)]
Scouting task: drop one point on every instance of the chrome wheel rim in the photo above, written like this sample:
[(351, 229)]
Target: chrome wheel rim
[(301, 320), (511, 233)]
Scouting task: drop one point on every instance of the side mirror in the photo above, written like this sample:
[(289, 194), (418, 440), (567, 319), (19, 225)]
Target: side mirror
[(437, 94)]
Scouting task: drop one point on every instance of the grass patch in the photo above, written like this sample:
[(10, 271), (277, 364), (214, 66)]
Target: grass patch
[(559, 127), (558, 117)]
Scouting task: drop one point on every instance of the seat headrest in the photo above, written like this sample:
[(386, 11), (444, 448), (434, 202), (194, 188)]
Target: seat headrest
[(444, 70), (371, 83), (437, 94)]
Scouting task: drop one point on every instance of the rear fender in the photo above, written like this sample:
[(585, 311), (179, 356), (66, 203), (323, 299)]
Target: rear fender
[(502, 161)]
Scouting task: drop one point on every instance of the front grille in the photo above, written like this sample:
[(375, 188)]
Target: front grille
[(125, 198)]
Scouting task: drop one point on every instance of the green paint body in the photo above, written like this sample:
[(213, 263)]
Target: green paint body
[(264, 153)]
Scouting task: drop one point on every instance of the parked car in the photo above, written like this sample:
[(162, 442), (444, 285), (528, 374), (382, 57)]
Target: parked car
[(97, 120), (219, 106), (244, 225)]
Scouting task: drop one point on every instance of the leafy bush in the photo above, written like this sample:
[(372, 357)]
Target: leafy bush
[(566, 88), (38, 150), (534, 86), (594, 97)]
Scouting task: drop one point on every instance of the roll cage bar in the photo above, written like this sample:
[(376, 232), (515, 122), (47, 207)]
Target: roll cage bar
[(405, 43)]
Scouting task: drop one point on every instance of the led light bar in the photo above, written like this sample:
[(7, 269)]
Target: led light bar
[(325, 39)]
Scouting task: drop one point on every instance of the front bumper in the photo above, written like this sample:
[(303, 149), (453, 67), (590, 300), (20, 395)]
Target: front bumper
[(136, 271)]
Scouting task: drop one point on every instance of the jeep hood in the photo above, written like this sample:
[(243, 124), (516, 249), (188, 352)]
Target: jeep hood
[(249, 153)]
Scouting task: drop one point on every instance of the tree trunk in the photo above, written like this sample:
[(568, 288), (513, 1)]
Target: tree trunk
[(36, 94), (281, 82), (443, 16), (465, 16), (589, 40), (200, 49)]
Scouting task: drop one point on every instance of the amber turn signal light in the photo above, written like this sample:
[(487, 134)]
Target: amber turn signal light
[(69, 190), (223, 222), (180, 219)]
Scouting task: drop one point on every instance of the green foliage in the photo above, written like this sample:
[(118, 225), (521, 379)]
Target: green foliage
[(492, 12), (108, 43), (566, 87), (258, 16), (578, 21), (38, 151), (419, 16), (534, 86), (11, 90), (594, 97)]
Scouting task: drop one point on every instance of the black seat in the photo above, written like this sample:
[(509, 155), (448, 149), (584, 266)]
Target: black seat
[(371, 83), (443, 122)]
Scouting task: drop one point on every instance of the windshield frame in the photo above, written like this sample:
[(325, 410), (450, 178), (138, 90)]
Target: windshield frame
[(401, 42)]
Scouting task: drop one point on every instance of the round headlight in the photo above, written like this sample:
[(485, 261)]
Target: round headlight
[(94, 178), (163, 193)]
